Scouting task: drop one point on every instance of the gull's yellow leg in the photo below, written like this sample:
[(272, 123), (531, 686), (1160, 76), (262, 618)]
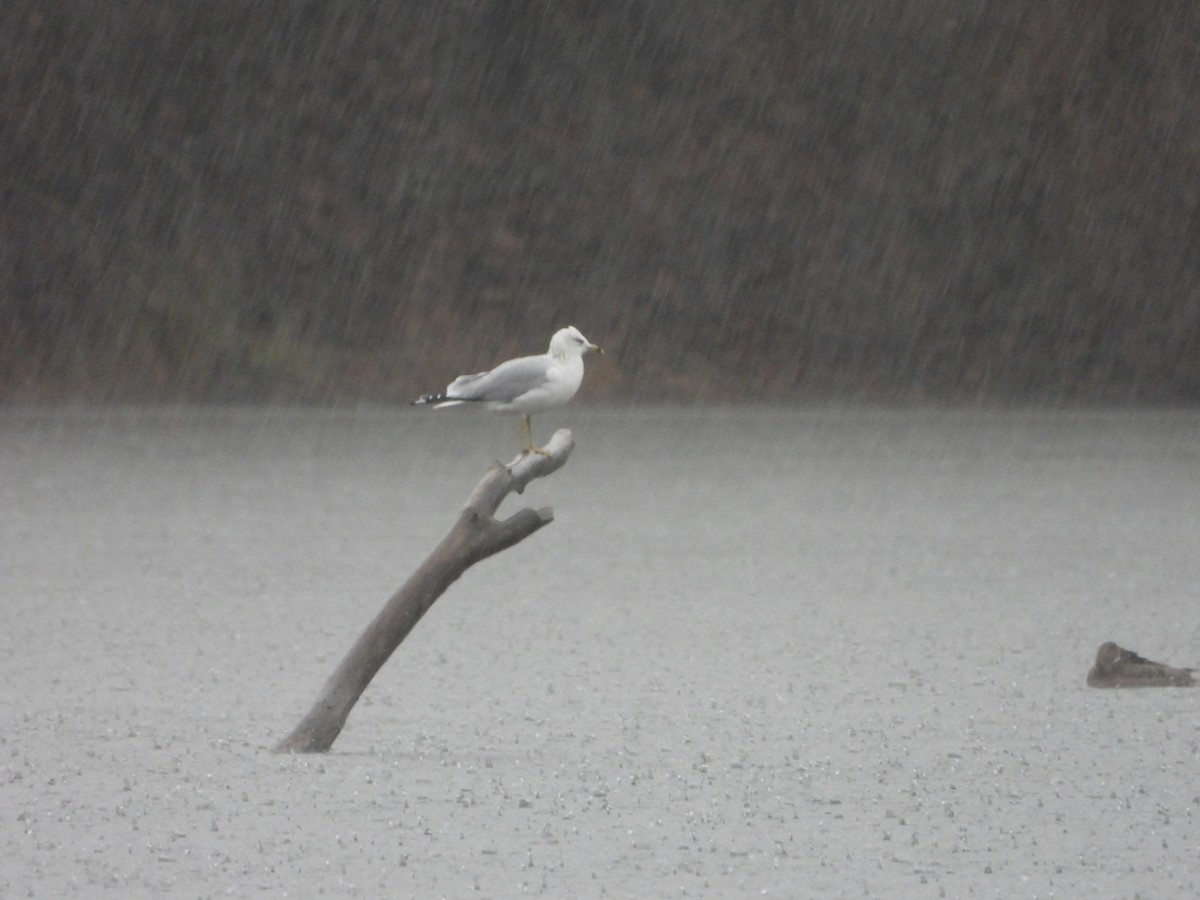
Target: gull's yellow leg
[(527, 444)]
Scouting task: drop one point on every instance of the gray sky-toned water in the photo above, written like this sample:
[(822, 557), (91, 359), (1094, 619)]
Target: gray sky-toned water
[(829, 650)]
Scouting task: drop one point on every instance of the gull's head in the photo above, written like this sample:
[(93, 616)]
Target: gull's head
[(570, 342)]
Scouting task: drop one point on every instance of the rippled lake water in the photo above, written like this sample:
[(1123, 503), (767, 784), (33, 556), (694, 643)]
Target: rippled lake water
[(783, 652)]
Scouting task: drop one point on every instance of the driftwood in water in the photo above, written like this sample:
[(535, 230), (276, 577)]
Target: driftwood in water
[(1117, 667), (476, 535)]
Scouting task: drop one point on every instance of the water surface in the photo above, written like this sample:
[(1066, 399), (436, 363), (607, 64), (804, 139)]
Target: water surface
[(814, 651)]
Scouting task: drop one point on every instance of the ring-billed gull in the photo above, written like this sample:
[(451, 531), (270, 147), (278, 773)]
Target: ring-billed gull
[(525, 385)]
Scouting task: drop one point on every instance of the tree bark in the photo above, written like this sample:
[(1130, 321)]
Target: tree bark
[(475, 536)]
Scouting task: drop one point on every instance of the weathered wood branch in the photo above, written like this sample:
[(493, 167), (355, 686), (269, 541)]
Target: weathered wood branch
[(475, 536)]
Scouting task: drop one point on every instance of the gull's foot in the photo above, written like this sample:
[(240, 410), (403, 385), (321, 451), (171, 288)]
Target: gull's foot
[(538, 450)]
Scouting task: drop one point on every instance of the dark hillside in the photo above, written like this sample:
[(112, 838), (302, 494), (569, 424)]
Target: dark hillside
[(931, 199)]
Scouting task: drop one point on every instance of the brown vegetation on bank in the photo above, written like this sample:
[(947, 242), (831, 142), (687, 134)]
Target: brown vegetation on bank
[(935, 199)]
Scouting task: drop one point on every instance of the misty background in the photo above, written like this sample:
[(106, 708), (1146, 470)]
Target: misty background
[(330, 202)]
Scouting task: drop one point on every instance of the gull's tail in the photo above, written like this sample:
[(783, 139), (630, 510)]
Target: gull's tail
[(438, 401)]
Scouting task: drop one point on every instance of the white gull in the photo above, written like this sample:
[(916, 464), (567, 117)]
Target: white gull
[(527, 385)]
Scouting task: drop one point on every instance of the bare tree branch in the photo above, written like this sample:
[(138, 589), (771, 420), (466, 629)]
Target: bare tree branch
[(475, 536)]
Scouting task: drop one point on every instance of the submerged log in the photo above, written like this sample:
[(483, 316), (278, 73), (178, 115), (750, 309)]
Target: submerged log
[(1117, 667), (475, 536)]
